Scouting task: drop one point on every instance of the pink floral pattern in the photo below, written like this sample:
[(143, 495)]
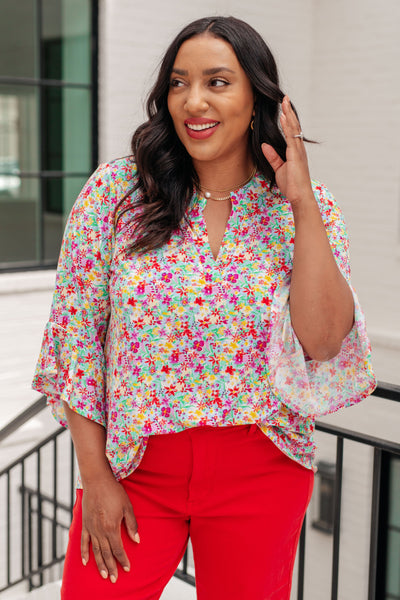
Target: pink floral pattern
[(175, 339)]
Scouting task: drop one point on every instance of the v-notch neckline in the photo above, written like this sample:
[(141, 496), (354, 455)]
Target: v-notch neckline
[(218, 258)]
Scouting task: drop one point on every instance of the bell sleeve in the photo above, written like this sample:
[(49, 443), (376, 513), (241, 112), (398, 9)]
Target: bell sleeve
[(309, 387), (71, 365)]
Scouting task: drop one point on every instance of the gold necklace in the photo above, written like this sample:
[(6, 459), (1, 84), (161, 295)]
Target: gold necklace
[(208, 196)]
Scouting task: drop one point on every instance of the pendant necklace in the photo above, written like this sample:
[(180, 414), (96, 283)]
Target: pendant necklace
[(208, 195)]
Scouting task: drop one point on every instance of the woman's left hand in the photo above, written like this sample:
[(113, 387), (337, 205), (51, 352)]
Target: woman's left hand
[(292, 176)]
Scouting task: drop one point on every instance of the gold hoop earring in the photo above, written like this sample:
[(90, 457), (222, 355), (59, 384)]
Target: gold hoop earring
[(252, 124)]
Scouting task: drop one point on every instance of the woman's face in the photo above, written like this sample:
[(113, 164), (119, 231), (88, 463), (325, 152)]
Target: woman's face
[(211, 100)]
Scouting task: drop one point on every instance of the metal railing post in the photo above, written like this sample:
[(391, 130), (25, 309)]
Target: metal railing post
[(23, 519), (375, 507), (302, 556), (8, 530), (30, 542), (54, 523), (336, 518), (39, 519)]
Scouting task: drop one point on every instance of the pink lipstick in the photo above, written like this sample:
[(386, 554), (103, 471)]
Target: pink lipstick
[(200, 128)]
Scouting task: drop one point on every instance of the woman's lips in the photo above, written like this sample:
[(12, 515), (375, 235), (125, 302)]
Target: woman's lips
[(200, 130)]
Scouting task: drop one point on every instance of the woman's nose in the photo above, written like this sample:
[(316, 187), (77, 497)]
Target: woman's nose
[(196, 100)]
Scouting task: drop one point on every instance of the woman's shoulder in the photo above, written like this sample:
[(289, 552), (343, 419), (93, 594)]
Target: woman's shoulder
[(329, 207), (110, 183), (105, 189), (120, 173), (321, 193)]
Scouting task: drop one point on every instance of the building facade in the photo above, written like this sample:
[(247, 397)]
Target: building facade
[(48, 123)]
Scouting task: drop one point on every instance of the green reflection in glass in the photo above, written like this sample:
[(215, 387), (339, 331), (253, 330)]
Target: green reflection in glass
[(67, 130), (394, 494), (18, 42), (19, 129), (393, 547), (19, 220), (59, 197), (66, 40)]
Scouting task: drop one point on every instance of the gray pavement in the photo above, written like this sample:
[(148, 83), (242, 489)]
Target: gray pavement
[(24, 309)]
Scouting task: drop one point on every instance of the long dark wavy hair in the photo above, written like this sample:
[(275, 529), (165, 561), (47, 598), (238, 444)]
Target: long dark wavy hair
[(166, 176)]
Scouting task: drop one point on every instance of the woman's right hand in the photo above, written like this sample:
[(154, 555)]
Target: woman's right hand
[(105, 504)]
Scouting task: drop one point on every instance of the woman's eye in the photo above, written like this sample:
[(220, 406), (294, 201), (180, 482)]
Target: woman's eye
[(175, 83), (218, 82)]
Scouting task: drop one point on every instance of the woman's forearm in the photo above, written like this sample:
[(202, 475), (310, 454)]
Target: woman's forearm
[(105, 503), (89, 440), (321, 302)]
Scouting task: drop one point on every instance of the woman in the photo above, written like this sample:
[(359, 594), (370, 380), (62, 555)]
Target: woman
[(189, 378)]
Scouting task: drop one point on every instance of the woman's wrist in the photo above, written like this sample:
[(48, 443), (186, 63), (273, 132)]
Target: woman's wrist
[(305, 205), (95, 473)]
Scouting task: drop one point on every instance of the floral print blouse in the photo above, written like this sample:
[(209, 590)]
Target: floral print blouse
[(174, 339)]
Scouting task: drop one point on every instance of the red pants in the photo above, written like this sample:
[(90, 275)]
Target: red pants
[(239, 498)]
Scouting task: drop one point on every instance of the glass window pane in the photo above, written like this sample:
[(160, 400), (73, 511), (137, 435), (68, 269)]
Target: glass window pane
[(67, 130), (59, 197), (393, 571), (394, 493), (66, 40), (19, 220), (19, 123), (393, 545), (18, 42)]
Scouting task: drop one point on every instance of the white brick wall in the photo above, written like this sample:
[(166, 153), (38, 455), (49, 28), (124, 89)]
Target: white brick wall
[(355, 107), (339, 61), (134, 36)]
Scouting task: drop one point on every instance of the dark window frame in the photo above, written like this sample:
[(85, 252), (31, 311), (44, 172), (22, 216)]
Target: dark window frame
[(41, 83), (381, 592), (326, 475)]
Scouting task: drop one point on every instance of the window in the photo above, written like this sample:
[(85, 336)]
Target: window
[(393, 532), (324, 493), (48, 129), (388, 572)]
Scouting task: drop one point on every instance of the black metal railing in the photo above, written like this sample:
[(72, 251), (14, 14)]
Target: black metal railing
[(37, 494), (389, 392)]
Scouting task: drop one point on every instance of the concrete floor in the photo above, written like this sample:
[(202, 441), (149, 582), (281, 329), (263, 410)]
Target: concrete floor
[(24, 310), (175, 590)]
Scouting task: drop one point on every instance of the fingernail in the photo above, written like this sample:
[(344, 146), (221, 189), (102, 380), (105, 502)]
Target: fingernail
[(84, 562), (127, 569), (113, 579), (136, 537), (104, 574)]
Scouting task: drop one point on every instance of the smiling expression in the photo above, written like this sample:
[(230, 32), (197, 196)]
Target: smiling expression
[(211, 100)]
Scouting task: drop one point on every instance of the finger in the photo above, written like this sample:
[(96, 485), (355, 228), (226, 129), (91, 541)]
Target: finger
[(290, 123), (98, 556), (272, 156), (85, 539), (288, 130), (288, 111), (131, 524), (119, 553), (108, 558)]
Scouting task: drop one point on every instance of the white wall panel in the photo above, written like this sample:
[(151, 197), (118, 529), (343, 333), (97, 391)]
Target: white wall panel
[(339, 62), (134, 36)]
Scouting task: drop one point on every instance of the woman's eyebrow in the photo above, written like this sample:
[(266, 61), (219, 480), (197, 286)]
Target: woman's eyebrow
[(216, 70), (212, 71)]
